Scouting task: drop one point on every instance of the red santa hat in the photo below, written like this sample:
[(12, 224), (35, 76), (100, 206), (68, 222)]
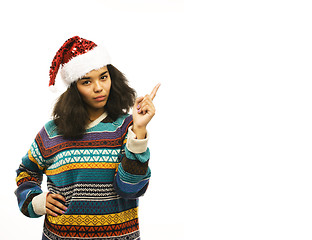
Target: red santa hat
[(76, 58)]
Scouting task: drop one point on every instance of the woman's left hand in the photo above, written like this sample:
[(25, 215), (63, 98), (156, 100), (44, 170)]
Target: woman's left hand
[(143, 112)]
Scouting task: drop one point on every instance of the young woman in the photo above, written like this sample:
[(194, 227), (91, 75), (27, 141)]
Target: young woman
[(94, 154)]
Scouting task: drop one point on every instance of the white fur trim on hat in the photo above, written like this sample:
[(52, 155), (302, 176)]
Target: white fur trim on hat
[(82, 64)]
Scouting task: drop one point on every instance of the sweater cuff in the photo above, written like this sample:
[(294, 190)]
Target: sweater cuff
[(136, 145), (39, 203)]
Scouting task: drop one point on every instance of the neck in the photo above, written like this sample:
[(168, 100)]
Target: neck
[(95, 113)]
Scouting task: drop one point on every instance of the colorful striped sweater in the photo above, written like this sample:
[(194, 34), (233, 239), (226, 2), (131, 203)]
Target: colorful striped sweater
[(101, 176)]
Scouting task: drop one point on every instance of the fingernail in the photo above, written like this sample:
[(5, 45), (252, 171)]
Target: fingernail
[(66, 208), (55, 215), (63, 212), (138, 106)]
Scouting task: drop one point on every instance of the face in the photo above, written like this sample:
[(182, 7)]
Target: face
[(94, 88)]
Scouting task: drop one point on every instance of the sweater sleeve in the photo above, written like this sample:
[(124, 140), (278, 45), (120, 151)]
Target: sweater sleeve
[(28, 180), (133, 174)]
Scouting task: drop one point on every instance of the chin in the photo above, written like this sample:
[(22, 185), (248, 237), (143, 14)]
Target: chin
[(100, 105)]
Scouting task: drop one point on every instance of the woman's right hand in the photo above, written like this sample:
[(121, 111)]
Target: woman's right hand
[(53, 206)]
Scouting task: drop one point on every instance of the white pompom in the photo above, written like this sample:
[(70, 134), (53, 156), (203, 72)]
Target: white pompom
[(53, 89)]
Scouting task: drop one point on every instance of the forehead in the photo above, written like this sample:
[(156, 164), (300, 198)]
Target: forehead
[(96, 72)]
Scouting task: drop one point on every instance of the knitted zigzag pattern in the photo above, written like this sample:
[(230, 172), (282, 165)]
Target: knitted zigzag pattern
[(100, 179)]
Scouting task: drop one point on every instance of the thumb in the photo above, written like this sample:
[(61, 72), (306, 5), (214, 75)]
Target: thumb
[(137, 101)]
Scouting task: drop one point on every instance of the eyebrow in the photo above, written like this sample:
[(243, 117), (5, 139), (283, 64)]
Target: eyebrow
[(103, 73), (86, 78)]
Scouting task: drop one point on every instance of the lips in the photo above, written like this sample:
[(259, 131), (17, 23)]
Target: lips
[(100, 98)]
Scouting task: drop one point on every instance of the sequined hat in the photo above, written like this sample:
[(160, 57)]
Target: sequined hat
[(76, 58)]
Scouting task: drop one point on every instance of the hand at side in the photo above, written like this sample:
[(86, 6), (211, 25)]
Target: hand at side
[(53, 206)]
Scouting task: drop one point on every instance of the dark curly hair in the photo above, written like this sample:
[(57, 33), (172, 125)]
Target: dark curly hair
[(70, 113)]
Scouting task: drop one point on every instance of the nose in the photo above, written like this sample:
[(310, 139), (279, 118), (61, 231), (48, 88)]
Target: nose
[(97, 86)]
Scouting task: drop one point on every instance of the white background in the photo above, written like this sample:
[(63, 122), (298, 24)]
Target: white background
[(231, 139)]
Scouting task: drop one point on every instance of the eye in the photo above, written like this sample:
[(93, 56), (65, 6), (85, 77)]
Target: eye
[(86, 82), (104, 77)]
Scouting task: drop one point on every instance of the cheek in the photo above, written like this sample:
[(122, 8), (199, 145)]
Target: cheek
[(107, 86), (84, 93)]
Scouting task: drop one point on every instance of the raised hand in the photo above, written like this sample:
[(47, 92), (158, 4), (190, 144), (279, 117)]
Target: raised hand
[(143, 112)]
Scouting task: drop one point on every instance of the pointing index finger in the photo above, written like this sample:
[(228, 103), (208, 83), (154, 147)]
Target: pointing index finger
[(153, 93)]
